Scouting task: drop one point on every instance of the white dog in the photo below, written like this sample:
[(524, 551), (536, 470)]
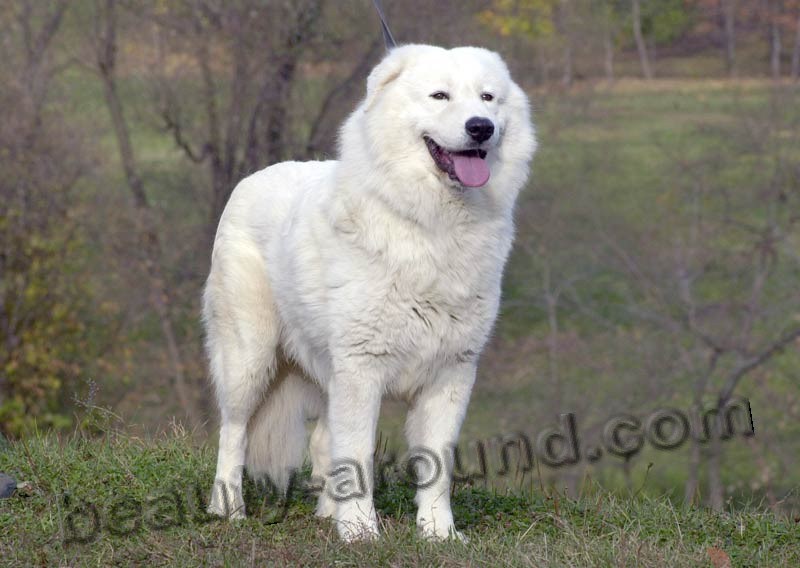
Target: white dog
[(335, 283)]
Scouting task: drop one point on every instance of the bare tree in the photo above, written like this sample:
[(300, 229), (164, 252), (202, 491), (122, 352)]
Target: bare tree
[(733, 336), (608, 31), (36, 43), (709, 352), (564, 22), (795, 72), (641, 46), (775, 47), (246, 103), (106, 36), (729, 30)]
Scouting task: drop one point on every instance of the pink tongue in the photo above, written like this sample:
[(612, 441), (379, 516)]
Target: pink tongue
[(472, 171)]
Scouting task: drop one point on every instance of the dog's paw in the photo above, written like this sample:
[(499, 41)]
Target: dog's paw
[(357, 532), (220, 512), (438, 526), (356, 520), (226, 501), (450, 533), (326, 507)]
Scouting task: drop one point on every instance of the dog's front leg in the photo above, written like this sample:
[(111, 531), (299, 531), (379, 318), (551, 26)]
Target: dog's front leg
[(354, 398), (432, 428)]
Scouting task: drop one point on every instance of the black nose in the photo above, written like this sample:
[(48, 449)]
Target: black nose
[(479, 128)]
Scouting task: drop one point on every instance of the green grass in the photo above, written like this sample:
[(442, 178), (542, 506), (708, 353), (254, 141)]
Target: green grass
[(153, 488)]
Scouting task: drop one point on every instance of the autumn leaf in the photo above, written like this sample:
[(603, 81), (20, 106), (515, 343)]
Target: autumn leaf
[(719, 558)]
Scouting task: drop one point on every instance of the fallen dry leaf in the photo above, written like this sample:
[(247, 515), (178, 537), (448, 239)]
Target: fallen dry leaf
[(719, 558)]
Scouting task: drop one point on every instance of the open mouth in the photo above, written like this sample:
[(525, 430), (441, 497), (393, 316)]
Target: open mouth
[(468, 167)]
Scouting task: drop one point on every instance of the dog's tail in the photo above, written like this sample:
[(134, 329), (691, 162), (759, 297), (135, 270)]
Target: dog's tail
[(277, 431)]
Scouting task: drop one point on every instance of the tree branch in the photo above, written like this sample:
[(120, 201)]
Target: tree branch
[(754, 362), (150, 243), (172, 124)]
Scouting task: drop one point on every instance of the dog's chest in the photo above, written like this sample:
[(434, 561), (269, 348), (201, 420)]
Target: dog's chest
[(410, 300), (440, 329), (431, 310)]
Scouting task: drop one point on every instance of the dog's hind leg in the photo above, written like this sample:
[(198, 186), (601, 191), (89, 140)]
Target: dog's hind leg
[(321, 464), (242, 330)]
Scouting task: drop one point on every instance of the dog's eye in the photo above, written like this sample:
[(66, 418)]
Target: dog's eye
[(440, 96), (487, 97)]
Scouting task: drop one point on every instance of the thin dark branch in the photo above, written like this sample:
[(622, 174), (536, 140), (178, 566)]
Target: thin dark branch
[(49, 29), (754, 362), (172, 124)]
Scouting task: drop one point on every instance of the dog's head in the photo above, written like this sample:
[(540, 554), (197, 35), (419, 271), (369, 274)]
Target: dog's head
[(452, 117)]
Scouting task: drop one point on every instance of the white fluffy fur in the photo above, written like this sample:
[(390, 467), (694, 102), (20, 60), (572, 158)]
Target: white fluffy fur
[(335, 283)]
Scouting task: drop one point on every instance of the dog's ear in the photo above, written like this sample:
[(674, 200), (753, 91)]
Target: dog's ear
[(386, 71)]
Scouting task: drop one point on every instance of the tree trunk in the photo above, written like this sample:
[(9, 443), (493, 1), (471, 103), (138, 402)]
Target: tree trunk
[(640, 43), (544, 65), (551, 301), (692, 486), (729, 29), (775, 49), (151, 246), (277, 116), (765, 474), (693, 477), (221, 189), (608, 60), (567, 75), (564, 25), (716, 490), (796, 51)]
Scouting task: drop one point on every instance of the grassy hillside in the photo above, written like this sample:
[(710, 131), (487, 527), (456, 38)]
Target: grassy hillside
[(147, 496), (657, 252)]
